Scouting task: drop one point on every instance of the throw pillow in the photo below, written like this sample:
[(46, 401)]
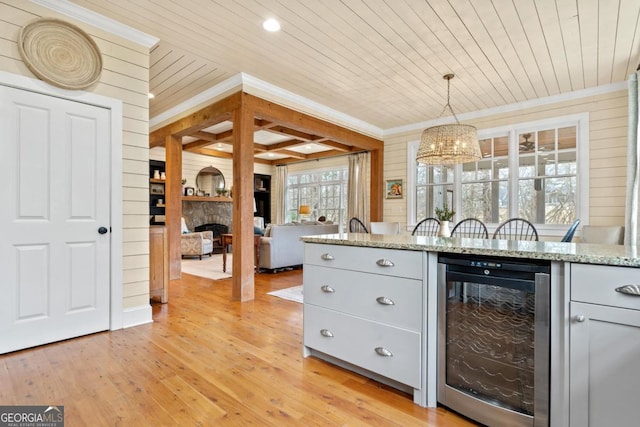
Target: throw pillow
[(258, 230), (185, 230)]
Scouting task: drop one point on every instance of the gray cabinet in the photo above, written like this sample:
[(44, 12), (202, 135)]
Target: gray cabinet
[(364, 307), (604, 369)]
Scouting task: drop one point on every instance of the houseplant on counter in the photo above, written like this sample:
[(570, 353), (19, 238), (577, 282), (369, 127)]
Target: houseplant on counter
[(444, 215)]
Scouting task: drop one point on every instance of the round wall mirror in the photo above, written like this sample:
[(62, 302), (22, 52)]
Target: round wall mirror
[(209, 180)]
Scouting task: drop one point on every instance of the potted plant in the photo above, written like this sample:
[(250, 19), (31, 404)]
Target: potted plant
[(444, 215)]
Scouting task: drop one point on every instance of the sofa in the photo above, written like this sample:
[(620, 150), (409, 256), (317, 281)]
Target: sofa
[(281, 246)]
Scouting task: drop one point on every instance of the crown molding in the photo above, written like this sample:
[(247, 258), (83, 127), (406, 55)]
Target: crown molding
[(259, 87), (94, 19), (308, 106), (255, 86), (209, 94), (553, 99)]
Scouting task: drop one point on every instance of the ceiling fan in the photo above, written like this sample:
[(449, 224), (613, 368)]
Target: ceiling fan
[(527, 145)]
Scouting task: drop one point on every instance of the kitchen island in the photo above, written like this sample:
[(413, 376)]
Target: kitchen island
[(342, 272)]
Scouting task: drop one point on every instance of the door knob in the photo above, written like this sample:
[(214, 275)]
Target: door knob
[(102, 230)]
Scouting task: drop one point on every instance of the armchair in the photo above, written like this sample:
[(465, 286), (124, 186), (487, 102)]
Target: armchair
[(196, 244)]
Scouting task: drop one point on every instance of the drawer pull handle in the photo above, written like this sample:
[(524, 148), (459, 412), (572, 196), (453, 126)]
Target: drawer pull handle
[(327, 257), (383, 352), (385, 263), (580, 318), (633, 290), (326, 333), (385, 301), (327, 289)]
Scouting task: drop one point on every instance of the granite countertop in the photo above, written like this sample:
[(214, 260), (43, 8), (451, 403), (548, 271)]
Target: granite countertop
[(555, 251)]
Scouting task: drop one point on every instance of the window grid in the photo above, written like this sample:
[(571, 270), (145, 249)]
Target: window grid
[(324, 191), (545, 181)]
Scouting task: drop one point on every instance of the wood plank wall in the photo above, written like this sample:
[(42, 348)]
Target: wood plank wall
[(608, 123), (126, 77)]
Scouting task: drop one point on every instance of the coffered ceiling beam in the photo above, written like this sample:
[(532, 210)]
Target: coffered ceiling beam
[(293, 154), (212, 153), (155, 141), (190, 146), (338, 146), (213, 114), (286, 144), (305, 136), (305, 123), (308, 157), (260, 148), (260, 124)]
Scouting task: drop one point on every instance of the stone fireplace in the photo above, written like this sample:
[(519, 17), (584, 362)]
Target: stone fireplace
[(197, 213)]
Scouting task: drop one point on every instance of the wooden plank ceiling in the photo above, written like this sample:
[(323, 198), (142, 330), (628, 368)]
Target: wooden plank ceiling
[(382, 61)]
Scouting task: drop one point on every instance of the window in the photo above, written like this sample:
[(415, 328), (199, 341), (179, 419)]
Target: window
[(547, 179), (528, 170), (484, 184), (433, 184), (324, 191)]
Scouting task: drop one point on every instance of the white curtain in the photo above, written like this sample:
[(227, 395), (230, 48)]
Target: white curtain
[(281, 192), (633, 165), (357, 200)]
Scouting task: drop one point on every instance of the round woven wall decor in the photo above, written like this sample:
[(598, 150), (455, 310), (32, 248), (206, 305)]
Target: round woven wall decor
[(60, 53)]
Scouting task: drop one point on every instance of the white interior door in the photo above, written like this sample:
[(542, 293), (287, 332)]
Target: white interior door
[(55, 192)]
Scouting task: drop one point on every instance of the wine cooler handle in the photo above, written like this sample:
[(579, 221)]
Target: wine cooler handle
[(633, 290)]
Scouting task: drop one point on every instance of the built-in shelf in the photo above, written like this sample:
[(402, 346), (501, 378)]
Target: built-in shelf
[(262, 196), (156, 193), (220, 199)]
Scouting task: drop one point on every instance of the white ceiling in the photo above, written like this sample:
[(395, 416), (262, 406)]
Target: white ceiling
[(382, 61)]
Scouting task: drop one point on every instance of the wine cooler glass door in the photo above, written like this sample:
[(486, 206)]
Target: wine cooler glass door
[(494, 344)]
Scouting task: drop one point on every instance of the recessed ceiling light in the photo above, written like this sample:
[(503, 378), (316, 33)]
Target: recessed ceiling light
[(151, 96), (271, 24), (219, 145), (271, 154)]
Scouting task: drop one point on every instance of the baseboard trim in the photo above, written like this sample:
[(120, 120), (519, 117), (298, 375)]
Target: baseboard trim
[(136, 316)]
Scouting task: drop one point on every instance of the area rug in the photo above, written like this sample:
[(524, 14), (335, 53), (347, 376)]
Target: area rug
[(291, 294), (209, 267)]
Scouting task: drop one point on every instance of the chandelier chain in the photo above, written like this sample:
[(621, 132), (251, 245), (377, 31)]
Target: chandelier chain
[(448, 79)]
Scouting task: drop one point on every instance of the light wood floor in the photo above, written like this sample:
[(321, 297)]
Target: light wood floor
[(206, 361)]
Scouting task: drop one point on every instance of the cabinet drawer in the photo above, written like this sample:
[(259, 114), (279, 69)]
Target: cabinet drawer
[(402, 263), (393, 300), (355, 340), (597, 284)]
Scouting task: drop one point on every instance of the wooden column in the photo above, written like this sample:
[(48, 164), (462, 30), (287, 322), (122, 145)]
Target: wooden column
[(243, 252), (376, 186), (173, 202)]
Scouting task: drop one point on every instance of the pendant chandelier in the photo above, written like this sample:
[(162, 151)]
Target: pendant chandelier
[(449, 144)]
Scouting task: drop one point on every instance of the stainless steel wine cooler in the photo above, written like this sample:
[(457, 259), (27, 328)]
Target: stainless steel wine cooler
[(493, 339)]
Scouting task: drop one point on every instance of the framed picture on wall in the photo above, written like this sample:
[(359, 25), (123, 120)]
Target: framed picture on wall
[(156, 188), (393, 189)]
